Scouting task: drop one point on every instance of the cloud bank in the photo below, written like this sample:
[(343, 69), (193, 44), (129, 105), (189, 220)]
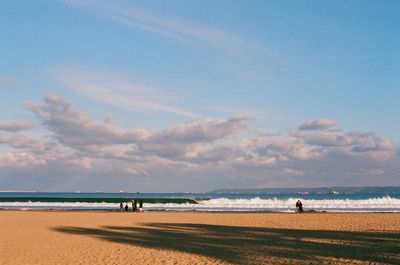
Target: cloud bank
[(76, 152)]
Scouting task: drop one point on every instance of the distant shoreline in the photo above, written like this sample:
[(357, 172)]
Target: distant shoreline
[(251, 191)]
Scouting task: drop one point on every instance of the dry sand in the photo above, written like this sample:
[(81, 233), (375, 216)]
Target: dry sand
[(36, 237)]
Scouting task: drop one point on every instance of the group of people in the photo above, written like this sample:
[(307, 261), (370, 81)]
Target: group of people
[(299, 206), (134, 206)]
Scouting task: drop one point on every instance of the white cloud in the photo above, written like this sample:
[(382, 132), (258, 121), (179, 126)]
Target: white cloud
[(323, 138), (22, 159), (75, 128), (15, 126), (78, 130), (318, 124), (17, 141), (201, 131)]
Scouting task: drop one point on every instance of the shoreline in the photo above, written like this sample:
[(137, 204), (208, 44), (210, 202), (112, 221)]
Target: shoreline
[(198, 211)]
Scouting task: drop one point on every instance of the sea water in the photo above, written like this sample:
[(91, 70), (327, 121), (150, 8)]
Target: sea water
[(201, 201)]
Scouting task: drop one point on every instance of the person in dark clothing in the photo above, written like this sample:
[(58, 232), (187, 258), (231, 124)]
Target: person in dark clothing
[(134, 206), (126, 207), (121, 207), (299, 206), (140, 205)]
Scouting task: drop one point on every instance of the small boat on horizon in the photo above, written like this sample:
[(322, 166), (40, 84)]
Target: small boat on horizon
[(333, 192)]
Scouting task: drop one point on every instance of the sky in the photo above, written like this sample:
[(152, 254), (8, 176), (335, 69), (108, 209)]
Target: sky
[(193, 96)]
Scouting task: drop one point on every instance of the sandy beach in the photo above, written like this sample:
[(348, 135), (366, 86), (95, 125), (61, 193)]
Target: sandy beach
[(56, 237)]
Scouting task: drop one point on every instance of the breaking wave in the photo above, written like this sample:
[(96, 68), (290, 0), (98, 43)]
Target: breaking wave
[(372, 204), (381, 204)]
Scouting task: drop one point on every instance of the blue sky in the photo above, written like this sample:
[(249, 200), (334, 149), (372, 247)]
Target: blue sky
[(232, 79)]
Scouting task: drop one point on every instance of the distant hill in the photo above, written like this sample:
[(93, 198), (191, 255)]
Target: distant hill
[(323, 190)]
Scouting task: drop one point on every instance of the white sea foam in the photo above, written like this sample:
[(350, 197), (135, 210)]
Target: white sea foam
[(384, 204)]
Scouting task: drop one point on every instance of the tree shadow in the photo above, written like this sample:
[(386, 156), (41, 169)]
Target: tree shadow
[(250, 245)]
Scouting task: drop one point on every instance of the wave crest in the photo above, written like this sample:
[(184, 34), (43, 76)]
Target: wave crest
[(383, 204)]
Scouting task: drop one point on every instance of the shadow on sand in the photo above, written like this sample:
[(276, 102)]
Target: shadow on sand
[(250, 245)]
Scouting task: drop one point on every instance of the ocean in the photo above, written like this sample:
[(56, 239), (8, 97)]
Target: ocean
[(201, 202)]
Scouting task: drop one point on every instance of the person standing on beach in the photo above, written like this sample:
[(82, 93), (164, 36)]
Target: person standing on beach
[(299, 206), (140, 205), (121, 207), (126, 207), (134, 206)]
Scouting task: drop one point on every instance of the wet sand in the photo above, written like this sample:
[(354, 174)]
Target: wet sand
[(56, 237)]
